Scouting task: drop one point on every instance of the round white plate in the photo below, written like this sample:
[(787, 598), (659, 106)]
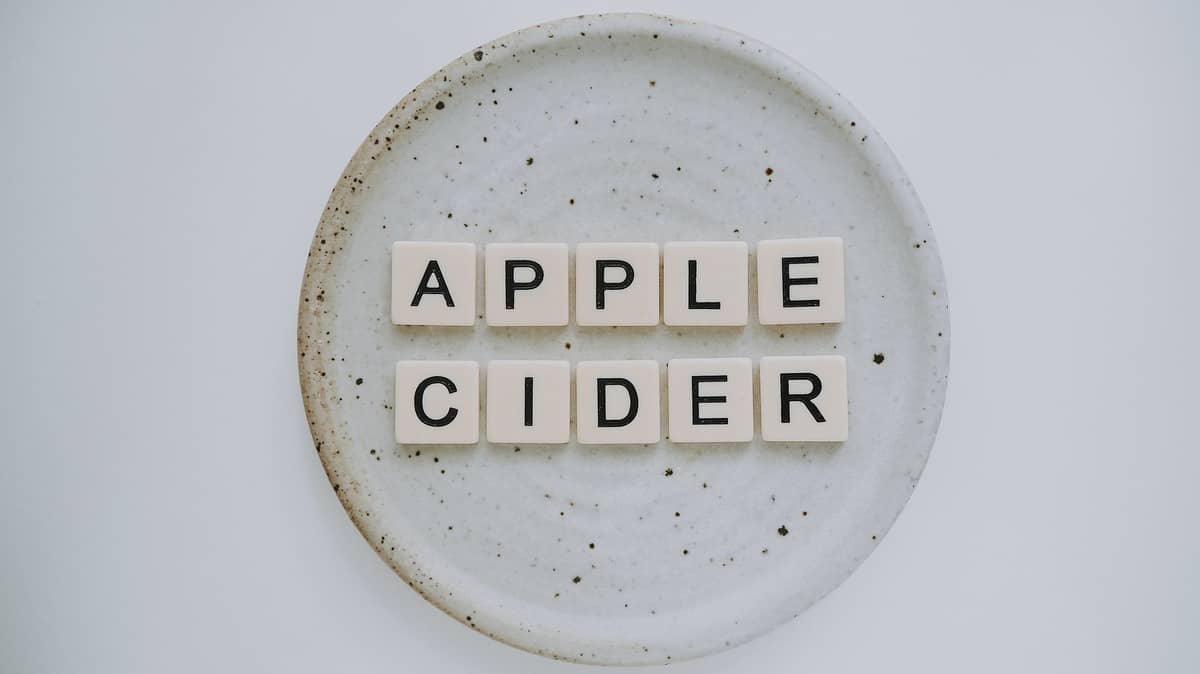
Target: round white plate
[(624, 128)]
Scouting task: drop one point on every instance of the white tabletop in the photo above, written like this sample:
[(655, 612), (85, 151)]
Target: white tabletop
[(163, 170)]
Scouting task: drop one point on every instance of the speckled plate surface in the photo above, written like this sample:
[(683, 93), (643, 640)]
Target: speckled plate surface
[(624, 128)]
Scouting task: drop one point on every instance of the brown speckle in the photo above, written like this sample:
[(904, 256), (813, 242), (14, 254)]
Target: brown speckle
[(769, 170), (439, 105), (878, 358), (479, 56)]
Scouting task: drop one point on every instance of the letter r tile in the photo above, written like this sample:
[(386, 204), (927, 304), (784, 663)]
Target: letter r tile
[(803, 398)]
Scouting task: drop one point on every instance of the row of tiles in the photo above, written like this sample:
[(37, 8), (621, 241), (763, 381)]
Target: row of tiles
[(703, 283), (801, 399)]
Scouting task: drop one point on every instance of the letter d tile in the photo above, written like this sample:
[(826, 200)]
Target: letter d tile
[(617, 402)]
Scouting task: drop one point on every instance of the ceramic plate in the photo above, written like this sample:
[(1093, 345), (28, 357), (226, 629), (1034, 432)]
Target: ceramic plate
[(624, 128)]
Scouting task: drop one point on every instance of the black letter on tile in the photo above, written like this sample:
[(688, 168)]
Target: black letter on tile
[(786, 397), (789, 281), (419, 406), (529, 401), (511, 286), (602, 384), (697, 399), (433, 271), (693, 303), (602, 285)]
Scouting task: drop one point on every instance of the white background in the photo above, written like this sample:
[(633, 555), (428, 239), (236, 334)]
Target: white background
[(163, 168)]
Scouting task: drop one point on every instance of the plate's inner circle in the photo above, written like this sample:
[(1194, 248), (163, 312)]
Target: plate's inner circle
[(624, 128)]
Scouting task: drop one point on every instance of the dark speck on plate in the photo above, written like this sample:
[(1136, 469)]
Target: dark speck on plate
[(878, 358), (783, 531)]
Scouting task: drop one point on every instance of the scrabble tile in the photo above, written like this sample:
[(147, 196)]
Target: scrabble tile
[(803, 398), (617, 402), (529, 401), (433, 283), (616, 284), (801, 281), (705, 283), (437, 401), (526, 283), (710, 400)]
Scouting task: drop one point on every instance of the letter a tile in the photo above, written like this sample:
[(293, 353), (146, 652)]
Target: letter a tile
[(433, 283)]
